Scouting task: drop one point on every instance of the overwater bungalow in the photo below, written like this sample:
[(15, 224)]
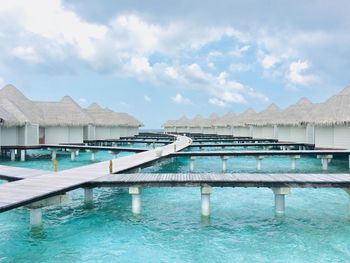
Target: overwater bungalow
[(263, 124), (107, 124), (291, 123), (242, 127), (331, 121), (62, 122), (224, 126), (20, 118), (196, 124), (26, 122)]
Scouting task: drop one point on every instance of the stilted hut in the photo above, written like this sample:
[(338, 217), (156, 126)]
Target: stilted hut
[(332, 121), (21, 117), (242, 126), (107, 124), (224, 125), (182, 125), (291, 123), (63, 121), (263, 126), (196, 124)]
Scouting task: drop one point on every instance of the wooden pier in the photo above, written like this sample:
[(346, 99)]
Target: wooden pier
[(36, 188), (286, 145)]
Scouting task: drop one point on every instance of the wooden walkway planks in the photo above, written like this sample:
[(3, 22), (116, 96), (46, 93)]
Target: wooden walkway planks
[(260, 144), (23, 192), (17, 173), (224, 180), (73, 147), (262, 153)]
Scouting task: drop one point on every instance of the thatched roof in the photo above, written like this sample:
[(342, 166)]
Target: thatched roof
[(65, 112), (227, 120), (182, 122), (246, 117), (108, 118), (20, 110), (17, 110), (294, 114), (267, 116), (197, 121), (334, 111)]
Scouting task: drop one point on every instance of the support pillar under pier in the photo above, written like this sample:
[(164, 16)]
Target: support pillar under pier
[(88, 195), (224, 163), (205, 200), (35, 217), (192, 158), (135, 193), (23, 155), (280, 193)]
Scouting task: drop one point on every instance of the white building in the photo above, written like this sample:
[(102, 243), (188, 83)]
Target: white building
[(262, 125), (331, 121), (20, 125), (63, 122)]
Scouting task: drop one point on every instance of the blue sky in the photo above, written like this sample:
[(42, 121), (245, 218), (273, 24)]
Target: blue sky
[(158, 60)]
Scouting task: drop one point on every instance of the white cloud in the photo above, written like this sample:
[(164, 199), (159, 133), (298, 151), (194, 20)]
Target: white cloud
[(240, 67), (217, 102), (179, 99), (269, 61), (27, 54), (147, 98), (297, 73), (239, 51), (211, 65)]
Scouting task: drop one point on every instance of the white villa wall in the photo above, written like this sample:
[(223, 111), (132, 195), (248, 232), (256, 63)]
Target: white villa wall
[(9, 136), (267, 132), (324, 136), (342, 137), (54, 135), (195, 130), (115, 133), (90, 132), (257, 132), (182, 130), (224, 130), (32, 134), (21, 134), (103, 133), (310, 134), (242, 131), (298, 134), (284, 133)]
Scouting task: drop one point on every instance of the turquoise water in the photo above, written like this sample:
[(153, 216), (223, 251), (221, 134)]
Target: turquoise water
[(41, 159), (242, 227), (271, 164)]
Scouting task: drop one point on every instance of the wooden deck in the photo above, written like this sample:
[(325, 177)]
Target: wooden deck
[(260, 144), (72, 147), (23, 192), (228, 140), (262, 153), (224, 180), (10, 173)]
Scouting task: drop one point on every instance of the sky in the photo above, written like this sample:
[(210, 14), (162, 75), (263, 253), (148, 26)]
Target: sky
[(159, 60)]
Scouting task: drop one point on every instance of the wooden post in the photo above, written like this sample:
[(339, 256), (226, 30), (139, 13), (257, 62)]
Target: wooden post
[(110, 167)]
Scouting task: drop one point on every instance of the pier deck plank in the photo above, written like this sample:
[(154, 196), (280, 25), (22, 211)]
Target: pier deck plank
[(23, 192), (225, 180)]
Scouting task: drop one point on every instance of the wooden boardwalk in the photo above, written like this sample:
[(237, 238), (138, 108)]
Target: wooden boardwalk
[(10, 173), (228, 140), (23, 192), (72, 147), (224, 180), (259, 144), (262, 153)]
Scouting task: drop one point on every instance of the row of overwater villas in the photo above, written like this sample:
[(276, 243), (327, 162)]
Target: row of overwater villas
[(327, 124), (26, 122)]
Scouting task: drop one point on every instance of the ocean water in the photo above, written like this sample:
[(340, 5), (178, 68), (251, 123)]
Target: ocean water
[(242, 227)]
